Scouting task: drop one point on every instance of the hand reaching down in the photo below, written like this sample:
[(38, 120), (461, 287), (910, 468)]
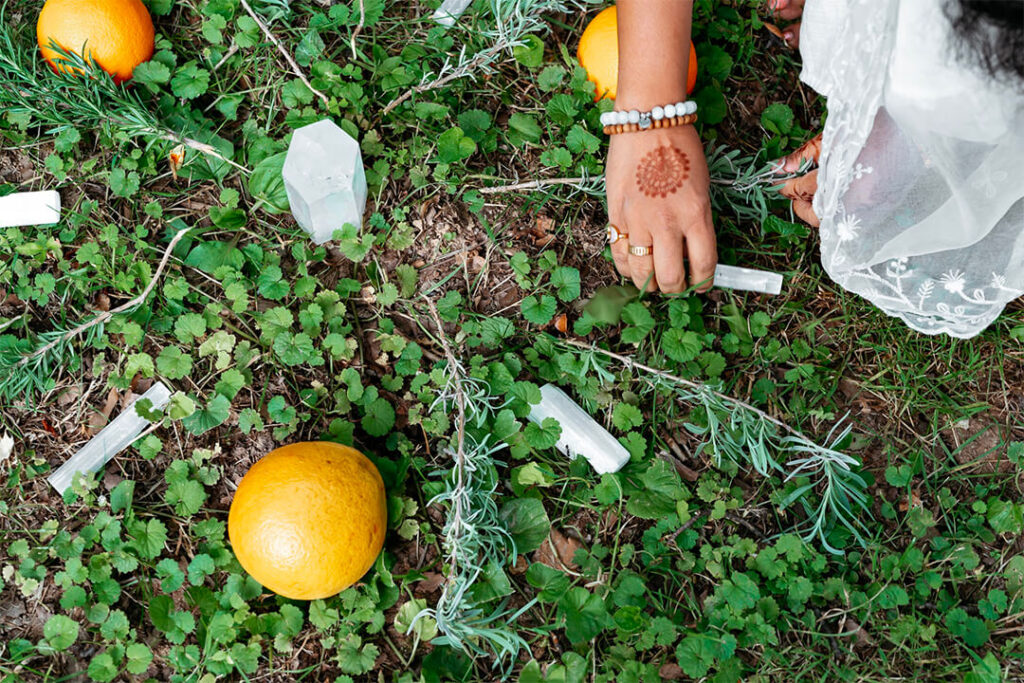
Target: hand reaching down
[(658, 203)]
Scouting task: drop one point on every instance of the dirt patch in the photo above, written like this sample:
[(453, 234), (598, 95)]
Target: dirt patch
[(979, 443)]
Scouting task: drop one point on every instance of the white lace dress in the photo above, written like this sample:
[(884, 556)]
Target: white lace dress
[(921, 176)]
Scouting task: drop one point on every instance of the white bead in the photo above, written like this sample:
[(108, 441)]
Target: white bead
[(670, 111), (607, 118), (691, 107), (634, 116), (658, 113), (680, 108), (622, 117)]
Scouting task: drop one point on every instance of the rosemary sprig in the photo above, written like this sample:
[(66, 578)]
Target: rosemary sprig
[(82, 96), (745, 435), (513, 20), (474, 537)]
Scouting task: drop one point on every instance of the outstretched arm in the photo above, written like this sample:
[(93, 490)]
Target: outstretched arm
[(657, 180)]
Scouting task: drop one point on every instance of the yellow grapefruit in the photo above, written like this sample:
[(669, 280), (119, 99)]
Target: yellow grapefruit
[(116, 34), (308, 520)]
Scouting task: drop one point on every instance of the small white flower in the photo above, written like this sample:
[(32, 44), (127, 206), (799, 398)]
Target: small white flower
[(847, 227), (953, 281), (998, 281)]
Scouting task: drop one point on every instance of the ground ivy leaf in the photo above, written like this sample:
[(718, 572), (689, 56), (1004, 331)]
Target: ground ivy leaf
[(539, 310), (60, 632), (695, 655), (545, 435), (172, 363), (626, 416), (294, 349), (190, 81), (740, 592), (681, 345), (379, 418), (214, 414), (585, 615), (527, 522), (566, 282)]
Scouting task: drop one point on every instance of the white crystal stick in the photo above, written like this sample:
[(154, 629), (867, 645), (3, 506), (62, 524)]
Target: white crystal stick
[(111, 440), (581, 434), (449, 12), (29, 208), (748, 279)]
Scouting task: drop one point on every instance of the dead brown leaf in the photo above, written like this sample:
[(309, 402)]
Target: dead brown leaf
[(557, 551), (98, 419), (670, 672)]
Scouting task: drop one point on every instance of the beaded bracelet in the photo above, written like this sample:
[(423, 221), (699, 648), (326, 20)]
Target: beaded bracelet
[(658, 117), (617, 128)]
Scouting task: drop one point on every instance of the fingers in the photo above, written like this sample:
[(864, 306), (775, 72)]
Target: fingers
[(805, 212), (668, 260), (641, 268), (802, 190), (620, 249), (702, 250), (786, 9), (792, 35), (809, 151), (802, 187)]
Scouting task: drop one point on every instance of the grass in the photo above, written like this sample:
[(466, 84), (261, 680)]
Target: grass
[(687, 564)]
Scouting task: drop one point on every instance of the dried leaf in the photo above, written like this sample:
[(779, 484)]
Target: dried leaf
[(557, 551)]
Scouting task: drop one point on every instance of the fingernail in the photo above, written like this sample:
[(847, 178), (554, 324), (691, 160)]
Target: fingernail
[(788, 36)]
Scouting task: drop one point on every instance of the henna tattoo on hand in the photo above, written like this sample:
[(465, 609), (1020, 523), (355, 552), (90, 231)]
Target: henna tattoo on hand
[(662, 171)]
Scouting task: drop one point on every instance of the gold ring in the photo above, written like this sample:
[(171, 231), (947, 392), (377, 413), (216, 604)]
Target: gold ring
[(640, 251), (614, 235)]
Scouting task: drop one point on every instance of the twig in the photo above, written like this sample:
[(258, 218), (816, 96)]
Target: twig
[(460, 404), (107, 315), (202, 147), (460, 72), (227, 55), (359, 28), (283, 51), (630, 363), (694, 516), (532, 185), (736, 519)]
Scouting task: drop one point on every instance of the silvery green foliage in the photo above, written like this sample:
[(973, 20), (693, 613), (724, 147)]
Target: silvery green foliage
[(513, 20), (473, 537), (739, 433), (743, 184)]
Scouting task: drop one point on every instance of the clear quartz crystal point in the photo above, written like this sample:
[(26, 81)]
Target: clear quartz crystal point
[(732, 277), (111, 440), (325, 180), (450, 11), (581, 434)]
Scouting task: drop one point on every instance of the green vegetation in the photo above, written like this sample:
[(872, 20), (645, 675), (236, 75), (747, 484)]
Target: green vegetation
[(424, 338)]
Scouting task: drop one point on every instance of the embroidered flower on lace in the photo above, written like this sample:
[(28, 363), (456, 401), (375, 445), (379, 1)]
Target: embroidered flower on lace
[(898, 267), (860, 170), (987, 181), (847, 228), (953, 281)]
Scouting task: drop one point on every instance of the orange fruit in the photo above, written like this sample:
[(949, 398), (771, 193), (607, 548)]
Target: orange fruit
[(308, 520), (599, 54), (116, 34)]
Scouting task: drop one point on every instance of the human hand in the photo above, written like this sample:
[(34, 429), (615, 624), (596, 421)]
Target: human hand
[(801, 190), (657, 182)]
